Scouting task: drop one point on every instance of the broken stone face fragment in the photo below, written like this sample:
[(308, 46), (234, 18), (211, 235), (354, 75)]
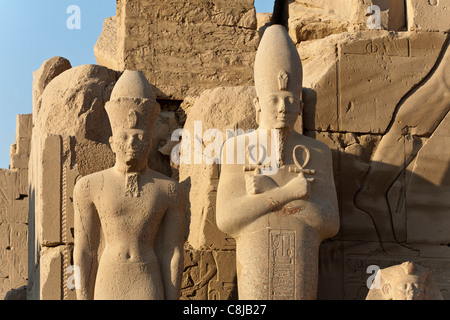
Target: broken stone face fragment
[(407, 281)]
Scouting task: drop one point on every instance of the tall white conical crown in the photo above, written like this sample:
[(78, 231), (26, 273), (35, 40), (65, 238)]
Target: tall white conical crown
[(277, 65), (132, 84), (132, 103)]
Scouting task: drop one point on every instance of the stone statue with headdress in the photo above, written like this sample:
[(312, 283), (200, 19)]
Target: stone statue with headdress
[(280, 203), (129, 219)]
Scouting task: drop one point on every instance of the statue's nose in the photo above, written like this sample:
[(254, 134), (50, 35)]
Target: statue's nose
[(132, 142), (413, 294), (282, 106)]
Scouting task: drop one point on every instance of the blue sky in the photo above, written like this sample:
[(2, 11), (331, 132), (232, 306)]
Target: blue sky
[(264, 5), (33, 31)]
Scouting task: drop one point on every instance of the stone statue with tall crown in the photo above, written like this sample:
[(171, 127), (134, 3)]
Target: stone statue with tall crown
[(129, 219), (278, 208)]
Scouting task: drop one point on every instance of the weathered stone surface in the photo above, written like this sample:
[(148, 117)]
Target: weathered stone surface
[(51, 273), (310, 19), (262, 19), (223, 108), (406, 281), (355, 87), (310, 23), (20, 150), (397, 15), (41, 78), (73, 103), (53, 218), (418, 115), (340, 8), (393, 69), (49, 70), (320, 29), (392, 64), (14, 214), (185, 46), (351, 157), (209, 275), (13, 233), (428, 190), (56, 197), (142, 257), (319, 83), (408, 170), (430, 15), (17, 294), (105, 50)]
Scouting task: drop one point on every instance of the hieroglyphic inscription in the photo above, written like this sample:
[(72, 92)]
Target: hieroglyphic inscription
[(383, 46), (281, 265), (132, 185)]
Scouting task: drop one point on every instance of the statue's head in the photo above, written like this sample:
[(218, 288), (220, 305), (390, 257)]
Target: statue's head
[(405, 282), (132, 112), (278, 80)]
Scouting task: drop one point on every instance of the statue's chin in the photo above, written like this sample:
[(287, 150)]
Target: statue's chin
[(131, 164)]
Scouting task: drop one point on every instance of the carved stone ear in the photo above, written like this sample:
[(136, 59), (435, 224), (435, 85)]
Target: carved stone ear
[(386, 289)]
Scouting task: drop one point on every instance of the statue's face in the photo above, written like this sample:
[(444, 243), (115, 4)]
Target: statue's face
[(131, 146), (408, 287), (408, 290), (278, 110)]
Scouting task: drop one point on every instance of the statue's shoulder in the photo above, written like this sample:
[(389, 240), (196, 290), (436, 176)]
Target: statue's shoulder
[(165, 183), (91, 182), (82, 189)]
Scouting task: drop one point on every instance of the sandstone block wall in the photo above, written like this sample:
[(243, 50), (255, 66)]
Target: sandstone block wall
[(430, 15), (355, 88), (311, 20), (183, 47), (14, 211)]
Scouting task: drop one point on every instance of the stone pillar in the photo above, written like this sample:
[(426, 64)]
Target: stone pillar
[(53, 220)]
